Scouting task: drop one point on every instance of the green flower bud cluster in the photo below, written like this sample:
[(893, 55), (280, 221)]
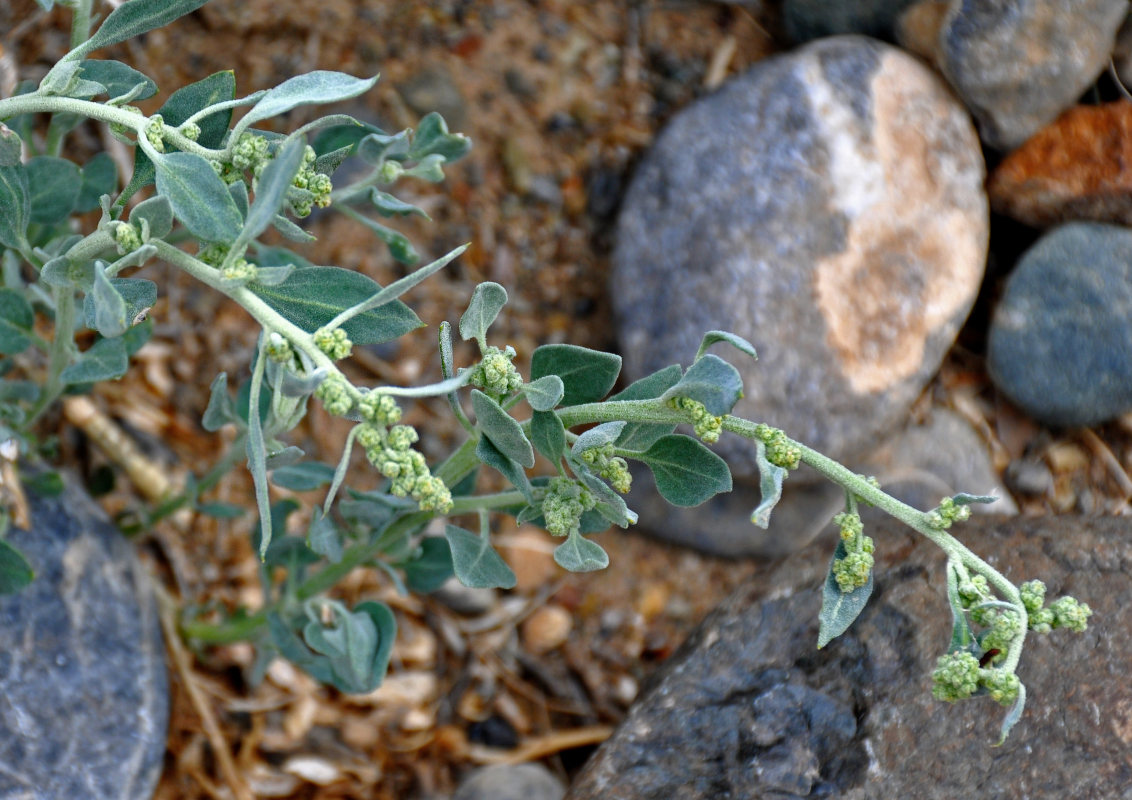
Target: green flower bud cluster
[(613, 468), (958, 676), (563, 505), (852, 570), (1003, 627), (390, 171), (1069, 612), (948, 512), (973, 591), (240, 270), (314, 187), (780, 450), (335, 396), (127, 238), (381, 409), (391, 451), (155, 133), (279, 349), (706, 426), (250, 153), (1065, 612), (190, 130), (495, 374), (335, 343)]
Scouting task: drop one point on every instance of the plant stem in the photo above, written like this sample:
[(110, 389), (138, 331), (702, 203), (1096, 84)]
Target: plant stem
[(80, 22)]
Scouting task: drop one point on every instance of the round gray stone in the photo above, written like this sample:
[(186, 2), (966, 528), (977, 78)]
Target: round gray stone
[(826, 205), (1060, 341), (511, 782), (1019, 64), (84, 701)]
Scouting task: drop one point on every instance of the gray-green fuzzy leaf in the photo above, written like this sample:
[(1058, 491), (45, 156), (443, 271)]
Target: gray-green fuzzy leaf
[(475, 561), (711, 381), (641, 435), (579, 554), (502, 430), (158, 214), (839, 609), (545, 393), (16, 320), (272, 188), (303, 477), (135, 18), (313, 296), (489, 454), (736, 341), (548, 435), (119, 79), (389, 206), (487, 301), (687, 473), (433, 138), (106, 360), (54, 185), (199, 198), (15, 206), (605, 433), (100, 176), (319, 86), (11, 147), (107, 308), (770, 485), (221, 410), (587, 375), (323, 536), (15, 571)]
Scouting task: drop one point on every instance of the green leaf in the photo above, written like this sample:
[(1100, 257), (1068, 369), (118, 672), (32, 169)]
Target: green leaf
[(15, 206), (399, 245), (641, 435), (432, 566), (548, 435), (100, 176), (221, 410), (11, 147), (587, 375), (389, 206), (736, 341), (319, 86), (356, 647), (182, 104), (374, 148), (487, 301), (1012, 717), (711, 381), (106, 360), (158, 214), (136, 295), (18, 391), (198, 196), (545, 393), (16, 321), (279, 257), (55, 184), (475, 561), (511, 470), (134, 338), (430, 168), (303, 477), (770, 485), (603, 434), (271, 189), (579, 554), (15, 571), (687, 473), (107, 309), (290, 230), (964, 499), (313, 296), (219, 510), (328, 163), (839, 609), (133, 19), (961, 635), (45, 484), (433, 138), (118, 78), (323, 536), (337, 137), (239, 192), (285, 457), (502, 430)]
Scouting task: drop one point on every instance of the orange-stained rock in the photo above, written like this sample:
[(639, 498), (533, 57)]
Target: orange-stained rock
[(1078, 167)]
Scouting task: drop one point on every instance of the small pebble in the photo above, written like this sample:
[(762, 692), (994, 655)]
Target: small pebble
[(511, 782), (547, 628), (1029, 476), (465, 599)]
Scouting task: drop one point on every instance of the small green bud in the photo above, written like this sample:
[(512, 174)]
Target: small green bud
[(956, 676), (852, 571), (974, 591), (850, 525), (380, 408), (335, 343), (155, 132), (780, 450), (390, 171), (126, 237), (495, 374), (278, 348), (1004, 629), (240, 270), (1002, 686), (335, 396), (370, 437), (1033, 595), (190, 130), (1068, 612)]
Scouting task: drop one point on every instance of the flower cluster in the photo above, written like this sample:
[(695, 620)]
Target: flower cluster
[(563, 505), (852, 570), (335, 396), (495, 374), (390, 450), (613, 468), (335, 343), (313, 188), (780, 450), (707, 427), (279, 349), (155, 133), (127, 238), (958, 676), (234, 269), (948, 512), (378, 408)]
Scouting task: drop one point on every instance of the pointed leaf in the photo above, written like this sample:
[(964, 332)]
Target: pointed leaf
[(107, 308), (389, 206), (770, 485), (475, 562), (271, 188), (961, 635), (313, 296), (199, 198), (323, 536), (15, 571), (55, 185), (118, 78), (736, 341), (579, 554), (221, 410), (15, 206), (432, 566), (548, 435), (157, 213), (303, 477), (711, 381), (1012, 717), (502, 430), (106, 360), (545, 393), (16, 321), (100, 176), (489, 454), (587, 375), (137, 295), (239, 192), (964, 499), (605, 433), (135, 18), (11, 147), (433, 138), (687, 473), (319, 86), (487, 301), (399, 245), (839, 609)]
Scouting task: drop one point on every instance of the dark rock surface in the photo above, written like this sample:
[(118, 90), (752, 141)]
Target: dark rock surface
[(826, 205), (84, 698), (919, 465), (812, 19), (749, 708), (1019, 64), (1060, 341)]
